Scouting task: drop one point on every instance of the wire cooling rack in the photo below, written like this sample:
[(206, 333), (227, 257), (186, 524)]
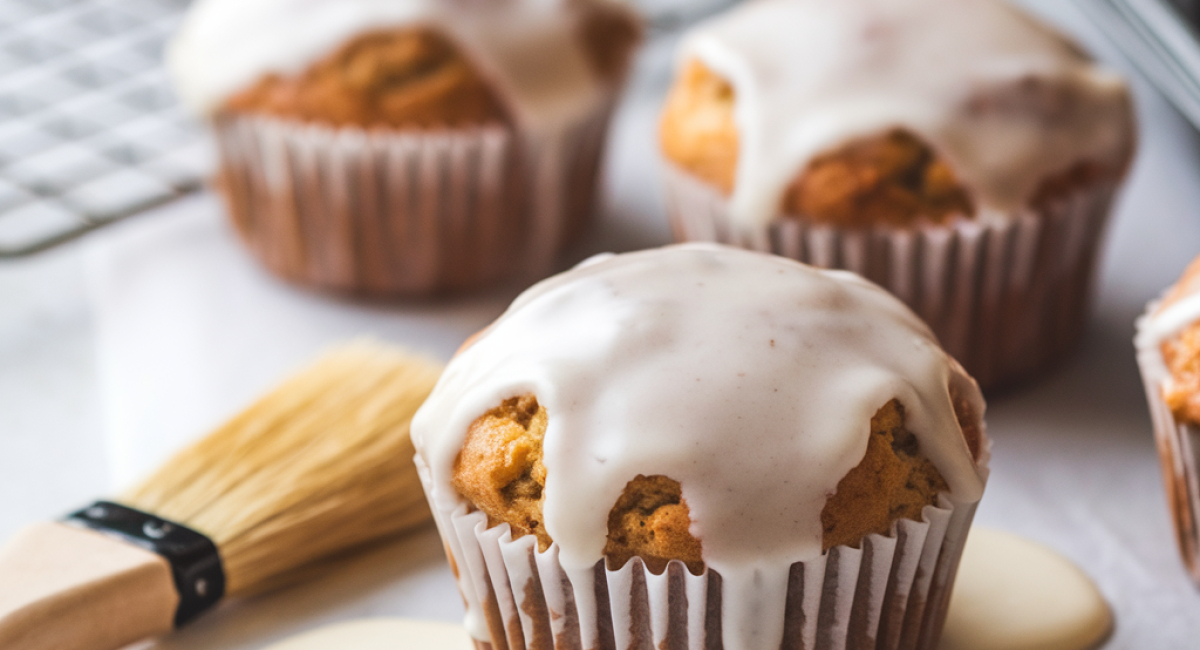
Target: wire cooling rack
[(1161, 37), (90, 132)]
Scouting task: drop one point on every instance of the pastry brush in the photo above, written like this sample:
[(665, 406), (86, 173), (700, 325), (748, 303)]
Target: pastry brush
[(320, 466)]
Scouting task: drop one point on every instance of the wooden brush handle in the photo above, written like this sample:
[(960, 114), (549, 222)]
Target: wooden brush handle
[(67, 588)]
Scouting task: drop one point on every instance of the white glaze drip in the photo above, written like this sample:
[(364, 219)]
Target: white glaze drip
[(809, 75), (748, 378), (530, 49)]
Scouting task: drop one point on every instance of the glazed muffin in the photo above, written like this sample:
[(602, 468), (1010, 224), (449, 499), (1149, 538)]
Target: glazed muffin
[(1168, 353), (703, 442), (405, 147), (956, 152)]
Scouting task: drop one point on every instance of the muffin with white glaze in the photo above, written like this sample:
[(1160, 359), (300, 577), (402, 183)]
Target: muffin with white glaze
[(405, 146), (701, 445), (1168, 354), (957, 152)]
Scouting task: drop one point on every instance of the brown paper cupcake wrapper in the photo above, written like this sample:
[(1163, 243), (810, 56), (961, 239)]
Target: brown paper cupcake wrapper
[(892, 593), (391, 212), (1007, 295), (1178, 444)]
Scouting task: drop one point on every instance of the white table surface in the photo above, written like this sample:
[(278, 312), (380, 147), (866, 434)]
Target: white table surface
[(1074, 462)]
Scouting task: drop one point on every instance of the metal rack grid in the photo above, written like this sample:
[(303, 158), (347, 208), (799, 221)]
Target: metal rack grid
[(1161, 38), (90, 132)]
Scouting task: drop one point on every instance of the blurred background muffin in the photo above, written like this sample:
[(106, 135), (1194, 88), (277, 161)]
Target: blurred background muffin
[(702, 446), (405, 147), (1168, 354), (957, 152)]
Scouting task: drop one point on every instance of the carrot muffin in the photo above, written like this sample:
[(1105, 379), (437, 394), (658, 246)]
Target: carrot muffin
[(1168, 349), (703, 441), (957, 152), (405, 147)]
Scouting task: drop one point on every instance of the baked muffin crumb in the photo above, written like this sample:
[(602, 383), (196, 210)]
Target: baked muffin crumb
[(651, 521), (1181, 353), (888, 179), (412, 77), (697, 131), (500, 472), (500, 469), (1182, 393), (417, 77), (893, 481), (892, 179)]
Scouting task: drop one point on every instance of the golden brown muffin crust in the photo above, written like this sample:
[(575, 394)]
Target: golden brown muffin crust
[(892, 178), (410, 77), (697, 131), (1182, 353), (1182, 356), (892, 482), (651, 520), (417, 77), (500, 472)]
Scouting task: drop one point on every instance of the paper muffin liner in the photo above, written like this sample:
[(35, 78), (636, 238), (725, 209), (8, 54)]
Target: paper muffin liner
[(406, 212), (1178, 443), (1006, 294), (890, 594)]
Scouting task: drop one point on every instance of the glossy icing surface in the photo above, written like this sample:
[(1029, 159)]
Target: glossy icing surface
[(1005, 101), (1015, 594), (530, 49), (748, 378)]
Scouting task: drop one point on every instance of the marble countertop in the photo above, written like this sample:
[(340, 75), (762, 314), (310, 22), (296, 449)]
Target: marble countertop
[(1074, 461)]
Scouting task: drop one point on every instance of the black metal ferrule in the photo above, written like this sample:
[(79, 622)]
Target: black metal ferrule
[(194, 559)]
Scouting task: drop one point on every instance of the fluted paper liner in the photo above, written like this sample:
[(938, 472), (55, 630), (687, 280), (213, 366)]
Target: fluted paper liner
[(890, 594), (1007, 295), (403, 212), (1177, 444)]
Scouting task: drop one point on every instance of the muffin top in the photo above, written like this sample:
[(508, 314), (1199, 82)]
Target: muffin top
[(1168, 342), (932, 107), (537, 63), (730, 390)]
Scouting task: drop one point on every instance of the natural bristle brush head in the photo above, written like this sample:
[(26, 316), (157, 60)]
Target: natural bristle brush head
[(320, 465)]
